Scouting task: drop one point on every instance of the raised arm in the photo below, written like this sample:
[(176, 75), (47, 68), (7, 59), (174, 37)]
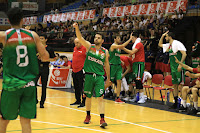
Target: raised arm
[(131, 52), (160, 44), (44, 55), (123, 45), (85, 43)]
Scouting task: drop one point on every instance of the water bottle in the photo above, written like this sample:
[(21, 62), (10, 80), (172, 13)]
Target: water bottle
[(168, 97), (137, 97), (179, 102)]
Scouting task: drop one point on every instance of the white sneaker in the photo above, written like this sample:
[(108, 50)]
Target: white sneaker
[(132, 100), (126, 98), (142, 100)]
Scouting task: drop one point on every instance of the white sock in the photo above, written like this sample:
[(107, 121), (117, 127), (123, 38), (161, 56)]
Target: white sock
[(184, 103), (142, 94), (196, 105)]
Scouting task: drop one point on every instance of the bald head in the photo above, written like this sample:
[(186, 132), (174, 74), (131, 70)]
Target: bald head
[(77, 43)]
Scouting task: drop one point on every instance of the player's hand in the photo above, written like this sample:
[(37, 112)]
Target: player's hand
[(165, 33), (28, 27), (75, 25), (38, 56), (176, 60), (187, 73), (179, 68), (131, 36)]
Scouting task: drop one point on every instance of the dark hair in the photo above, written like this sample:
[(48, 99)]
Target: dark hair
[(57, 54), (63, 56), (172, 35), (115, 36), (15, 15), (102, 36), (44, 35), (135, 34)]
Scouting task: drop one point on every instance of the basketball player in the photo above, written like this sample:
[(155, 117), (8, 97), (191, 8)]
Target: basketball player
[(195, 89), (178, 50), (115, 64), (96, 58), (20, 68), (138, 55)]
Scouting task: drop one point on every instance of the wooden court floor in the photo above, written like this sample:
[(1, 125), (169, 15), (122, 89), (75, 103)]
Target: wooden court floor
[(59, 117)]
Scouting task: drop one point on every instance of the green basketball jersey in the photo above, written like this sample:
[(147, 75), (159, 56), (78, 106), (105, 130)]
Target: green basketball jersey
[(95, 59), (20, 64), (173, 64), (195, 62), (114, 57)]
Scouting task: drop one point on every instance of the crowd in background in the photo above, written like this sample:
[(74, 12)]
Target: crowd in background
[(150, 27)]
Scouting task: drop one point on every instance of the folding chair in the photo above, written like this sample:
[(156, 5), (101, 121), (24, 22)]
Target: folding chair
[(146, 86), (168, 83), (157, 79)]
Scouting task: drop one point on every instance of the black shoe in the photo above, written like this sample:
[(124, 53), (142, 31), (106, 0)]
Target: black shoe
[(174, 106), (192, 111), (81, 105), (41, 105), (76, 103), (182, 109)]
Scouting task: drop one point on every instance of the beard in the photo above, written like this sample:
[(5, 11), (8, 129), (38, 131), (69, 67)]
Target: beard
[(97, 43)]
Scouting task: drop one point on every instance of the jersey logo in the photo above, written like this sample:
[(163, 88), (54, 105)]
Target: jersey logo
[(102, 55), (95, 60)]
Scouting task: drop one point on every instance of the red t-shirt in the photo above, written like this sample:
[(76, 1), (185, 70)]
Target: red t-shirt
[(139, 56), (78, 60), (195, 70), (127, 61), (67, 64)]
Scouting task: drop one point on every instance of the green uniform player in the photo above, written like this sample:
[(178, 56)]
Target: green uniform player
[(96, 59), (115, 64), (178, 50), (20, 69), (93, 67), (138, 59), (177, 77)]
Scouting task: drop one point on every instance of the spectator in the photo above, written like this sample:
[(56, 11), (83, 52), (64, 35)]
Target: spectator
[(66, 64)]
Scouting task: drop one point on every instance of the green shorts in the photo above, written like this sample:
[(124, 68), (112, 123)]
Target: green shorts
[(93, 83), (20, 102), (115, 72), (138, 70), (178, 77), (129, 78)]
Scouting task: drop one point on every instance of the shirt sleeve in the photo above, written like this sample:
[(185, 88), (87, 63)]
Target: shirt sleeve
[(69, 63), (178, 46), (165, 47), (195, 70), (138, 46), (126, 63)]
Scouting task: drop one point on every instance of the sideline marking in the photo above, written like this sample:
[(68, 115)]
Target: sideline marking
[(111, 118)]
